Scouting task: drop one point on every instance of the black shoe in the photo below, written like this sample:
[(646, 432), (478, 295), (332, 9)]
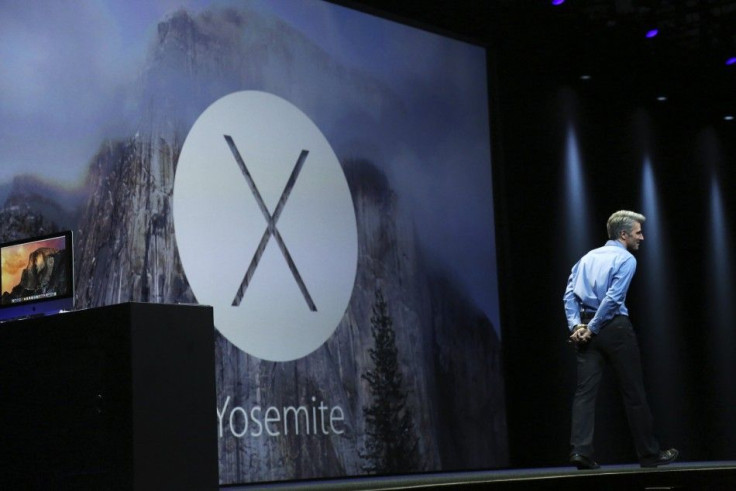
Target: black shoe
[(665, 457), (582, 462)]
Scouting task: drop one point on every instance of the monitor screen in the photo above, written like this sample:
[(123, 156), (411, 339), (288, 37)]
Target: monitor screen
[(37, 276)]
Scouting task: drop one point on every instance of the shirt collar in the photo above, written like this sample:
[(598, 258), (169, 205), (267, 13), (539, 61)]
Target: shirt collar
[(615, 243)]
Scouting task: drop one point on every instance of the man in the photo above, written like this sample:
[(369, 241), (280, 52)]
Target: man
[(602, 332)]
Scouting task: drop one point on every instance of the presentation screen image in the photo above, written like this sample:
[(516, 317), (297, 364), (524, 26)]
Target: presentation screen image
[(36, 276), (34, 270), (320, 176)]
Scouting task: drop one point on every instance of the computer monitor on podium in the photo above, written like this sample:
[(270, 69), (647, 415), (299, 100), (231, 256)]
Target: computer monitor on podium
[(37, 276)]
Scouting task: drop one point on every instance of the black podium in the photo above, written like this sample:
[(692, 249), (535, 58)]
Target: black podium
[(117, 397)]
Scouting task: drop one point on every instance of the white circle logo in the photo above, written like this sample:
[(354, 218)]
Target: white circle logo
[(265, 225)]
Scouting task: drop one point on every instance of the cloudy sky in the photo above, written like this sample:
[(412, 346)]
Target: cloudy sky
[(65, 70)]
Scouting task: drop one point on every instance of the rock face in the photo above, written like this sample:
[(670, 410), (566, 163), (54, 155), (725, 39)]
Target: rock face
[(125, 250), (33, 207), (42, 273), (125, 247), (59, 205), (20, 221), (448, 351)]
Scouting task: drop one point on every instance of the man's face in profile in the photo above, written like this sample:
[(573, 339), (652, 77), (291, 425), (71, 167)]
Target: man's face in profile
[(634, 237)]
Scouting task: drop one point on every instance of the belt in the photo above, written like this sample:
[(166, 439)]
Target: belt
[(586, 315)]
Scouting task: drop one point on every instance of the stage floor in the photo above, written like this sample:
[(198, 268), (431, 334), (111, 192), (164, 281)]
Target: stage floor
[(678, 476)]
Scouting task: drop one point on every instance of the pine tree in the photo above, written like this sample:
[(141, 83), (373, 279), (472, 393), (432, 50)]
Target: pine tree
[(390, 444)]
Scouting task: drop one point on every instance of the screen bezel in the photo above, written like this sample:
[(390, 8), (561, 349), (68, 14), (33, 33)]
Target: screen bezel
[(41, 306)]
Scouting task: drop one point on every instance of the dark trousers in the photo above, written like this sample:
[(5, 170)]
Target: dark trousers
[(615, 344)]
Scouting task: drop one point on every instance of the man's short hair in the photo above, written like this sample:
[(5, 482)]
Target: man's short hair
[(623, 220)]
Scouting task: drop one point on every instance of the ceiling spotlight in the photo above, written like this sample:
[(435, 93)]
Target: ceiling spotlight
[(557, 2), (652, 32), (585, 77), (662, 98), (728, 117), (731, 61)]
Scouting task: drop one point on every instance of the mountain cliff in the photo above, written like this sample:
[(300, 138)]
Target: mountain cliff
[(32, 206), (449, 358), (126, 241), (126, 250), (18, 221)]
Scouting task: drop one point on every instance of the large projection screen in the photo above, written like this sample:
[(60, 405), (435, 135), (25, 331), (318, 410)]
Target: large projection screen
[(320, 176)]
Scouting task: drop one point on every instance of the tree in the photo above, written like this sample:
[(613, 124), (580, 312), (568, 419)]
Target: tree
[(391, 444)]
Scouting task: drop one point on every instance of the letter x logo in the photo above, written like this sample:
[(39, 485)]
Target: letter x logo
[(271, 229)]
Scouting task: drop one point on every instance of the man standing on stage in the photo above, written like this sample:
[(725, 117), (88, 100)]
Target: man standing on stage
[(602, 332)]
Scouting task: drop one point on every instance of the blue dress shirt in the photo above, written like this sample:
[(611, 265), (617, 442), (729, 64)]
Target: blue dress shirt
[(599, 281)]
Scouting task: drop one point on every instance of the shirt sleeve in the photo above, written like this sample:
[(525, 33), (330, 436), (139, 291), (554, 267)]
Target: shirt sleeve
[(572, 306), (615, 295)]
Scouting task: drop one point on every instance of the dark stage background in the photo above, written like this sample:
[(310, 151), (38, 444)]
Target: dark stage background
[(672, 159)]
